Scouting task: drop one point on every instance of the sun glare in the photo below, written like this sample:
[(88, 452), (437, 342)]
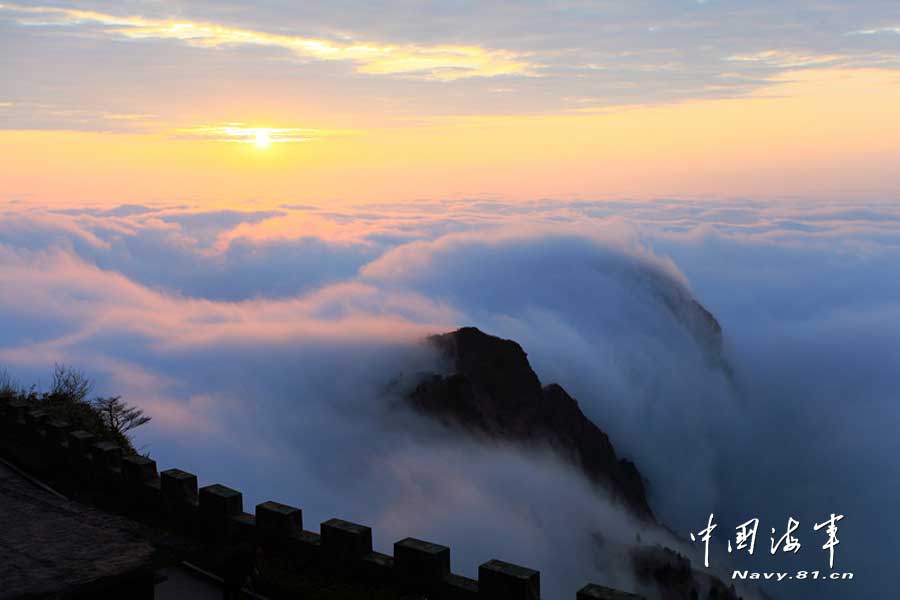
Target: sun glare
[(262, 139)]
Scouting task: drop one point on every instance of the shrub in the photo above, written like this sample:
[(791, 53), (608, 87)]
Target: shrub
[(68, 399)]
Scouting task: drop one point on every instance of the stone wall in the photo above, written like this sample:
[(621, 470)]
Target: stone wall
[(214, 516)]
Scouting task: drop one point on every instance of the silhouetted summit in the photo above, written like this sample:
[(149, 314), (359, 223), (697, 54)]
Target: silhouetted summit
[(491, 390), (494, 391)]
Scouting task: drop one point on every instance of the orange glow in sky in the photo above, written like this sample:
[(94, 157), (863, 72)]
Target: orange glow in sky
[(819, 133), (356, 117)]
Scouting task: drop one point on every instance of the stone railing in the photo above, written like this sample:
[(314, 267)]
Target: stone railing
[(214, 515)]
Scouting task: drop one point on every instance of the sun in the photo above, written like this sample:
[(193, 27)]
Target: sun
[(261, 139)]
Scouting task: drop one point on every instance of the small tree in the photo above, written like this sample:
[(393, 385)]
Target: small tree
[(68, 385), (68, 400), (8, 387), (117, 415)]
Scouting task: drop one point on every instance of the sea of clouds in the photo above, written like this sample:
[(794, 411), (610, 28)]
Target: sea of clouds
[(271, 347)]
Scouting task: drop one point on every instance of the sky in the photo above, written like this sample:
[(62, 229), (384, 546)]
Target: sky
[(395, 101), (245, 218)]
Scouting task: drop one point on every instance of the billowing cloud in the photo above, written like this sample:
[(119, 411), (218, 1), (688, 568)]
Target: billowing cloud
[(282, 387)]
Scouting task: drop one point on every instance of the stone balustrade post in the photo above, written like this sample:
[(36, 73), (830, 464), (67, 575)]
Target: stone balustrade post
[(141, 485), (80, 443), (178, 491), (420, 565), (56, 433), (500, 580), (277, 523), (218, 504), (106, 462), (35, 419), (16, 411), (344, 543), (138, 469), (593, 591), (107, 456)]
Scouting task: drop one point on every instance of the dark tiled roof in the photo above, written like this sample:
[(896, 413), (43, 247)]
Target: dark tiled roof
[(49, 545)]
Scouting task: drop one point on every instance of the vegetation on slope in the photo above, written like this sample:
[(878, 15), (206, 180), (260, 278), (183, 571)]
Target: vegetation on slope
[(69, 399)]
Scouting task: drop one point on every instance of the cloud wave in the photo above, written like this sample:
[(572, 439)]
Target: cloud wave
[(276, 382)]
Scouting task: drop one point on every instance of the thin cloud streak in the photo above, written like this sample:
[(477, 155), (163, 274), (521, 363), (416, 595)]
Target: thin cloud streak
[(786, 59), (240, 133), (877, 31), (443, 62)]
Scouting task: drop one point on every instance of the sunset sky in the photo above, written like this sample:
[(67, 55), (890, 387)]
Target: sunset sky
[(231, 103), (244, 218)]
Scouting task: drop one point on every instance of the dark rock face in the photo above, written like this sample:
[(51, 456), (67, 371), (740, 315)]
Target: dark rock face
[(666, 570), (493, 391), (672, 577)]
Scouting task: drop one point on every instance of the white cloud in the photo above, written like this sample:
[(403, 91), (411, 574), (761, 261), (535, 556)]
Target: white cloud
[(295, 374), (877, 31)]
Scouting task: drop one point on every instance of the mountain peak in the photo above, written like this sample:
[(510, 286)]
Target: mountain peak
[(492, 390)]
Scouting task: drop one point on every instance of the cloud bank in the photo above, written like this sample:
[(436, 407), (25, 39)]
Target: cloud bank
[(439, 62), (266, 344), (425, 60)]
